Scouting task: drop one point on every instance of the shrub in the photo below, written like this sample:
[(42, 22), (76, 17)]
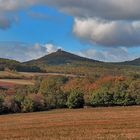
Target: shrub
[(102, 99), (27, 105), (134, 91), (51, 84), (10, 105), (38, 102), (56, 99), (1, 104), (75, 99), (33, 102)]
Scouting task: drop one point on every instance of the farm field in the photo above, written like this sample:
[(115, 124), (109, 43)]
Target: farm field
[(16, 82), (29, 75), (113, 123)]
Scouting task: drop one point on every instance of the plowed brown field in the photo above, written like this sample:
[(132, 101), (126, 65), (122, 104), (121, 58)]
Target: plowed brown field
[(116, 123)]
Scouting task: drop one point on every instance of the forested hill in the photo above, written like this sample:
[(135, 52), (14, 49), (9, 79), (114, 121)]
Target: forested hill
[(135, 62), (8, 64), (62, 61), (58, 58)]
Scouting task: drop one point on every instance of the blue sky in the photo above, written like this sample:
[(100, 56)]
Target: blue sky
[(45, 27)]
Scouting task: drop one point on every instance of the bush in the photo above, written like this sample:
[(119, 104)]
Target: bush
[(27, 105), (1, 104), (102, 99), (33, 102), (10, 105), (75, 99), (38, 102), (51, 84), (56, 99)]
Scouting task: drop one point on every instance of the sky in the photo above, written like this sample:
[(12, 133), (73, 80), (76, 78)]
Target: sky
[(105, 30)]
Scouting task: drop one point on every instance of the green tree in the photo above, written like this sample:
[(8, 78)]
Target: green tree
[(56, 99), (134, 91), (75, 99), (27, 105)]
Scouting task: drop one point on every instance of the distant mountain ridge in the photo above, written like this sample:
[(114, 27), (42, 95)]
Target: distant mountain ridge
[(135, 62)]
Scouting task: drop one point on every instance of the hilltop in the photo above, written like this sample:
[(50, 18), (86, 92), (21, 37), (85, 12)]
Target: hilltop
[(58, 58), (61, 57)]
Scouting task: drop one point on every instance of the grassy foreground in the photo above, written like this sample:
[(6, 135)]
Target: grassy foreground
[(83, 124)]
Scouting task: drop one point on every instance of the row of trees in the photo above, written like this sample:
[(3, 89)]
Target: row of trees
[(62, 92), (39, 102), (120, 93)]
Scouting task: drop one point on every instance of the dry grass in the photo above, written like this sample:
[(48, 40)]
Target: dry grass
[(7, 74), (16, 82), (29, 75), (119, 123)]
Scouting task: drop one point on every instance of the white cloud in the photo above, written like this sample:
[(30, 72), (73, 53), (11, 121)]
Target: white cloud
[(112, 23), (109, 55), (108, 33), (104, 22), (9, 9), (51, 48), (24, 52), (103, 9)]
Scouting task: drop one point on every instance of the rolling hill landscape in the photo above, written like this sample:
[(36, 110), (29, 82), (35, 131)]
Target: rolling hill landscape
[(69, 69), (61, 57), (58, 58), (135, 62), (65, 62)]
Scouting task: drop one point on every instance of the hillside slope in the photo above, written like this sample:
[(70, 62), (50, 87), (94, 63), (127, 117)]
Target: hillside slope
[(15, 65), (135, 62), (58, 58)]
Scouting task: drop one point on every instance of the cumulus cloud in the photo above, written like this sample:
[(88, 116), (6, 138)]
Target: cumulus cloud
[(8, 9), (51, 48), (113, 23), (104, 22), (108, 33), (24, 52), (110, 9), (104, 9)]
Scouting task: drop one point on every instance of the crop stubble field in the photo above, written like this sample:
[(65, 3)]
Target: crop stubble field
[(83, 124)]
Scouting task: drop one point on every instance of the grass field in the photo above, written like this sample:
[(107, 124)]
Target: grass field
[(29, 75), (9, 78), (16, 82), (118, 123)]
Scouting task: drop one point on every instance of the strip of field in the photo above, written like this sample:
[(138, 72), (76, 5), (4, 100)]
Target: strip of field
[(31, 74), (16, 82), (118, 123), (10, 74)]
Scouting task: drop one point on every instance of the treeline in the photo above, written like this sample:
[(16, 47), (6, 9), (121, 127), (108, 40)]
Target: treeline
[(12, 65), (62, 92), (38, 102)]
